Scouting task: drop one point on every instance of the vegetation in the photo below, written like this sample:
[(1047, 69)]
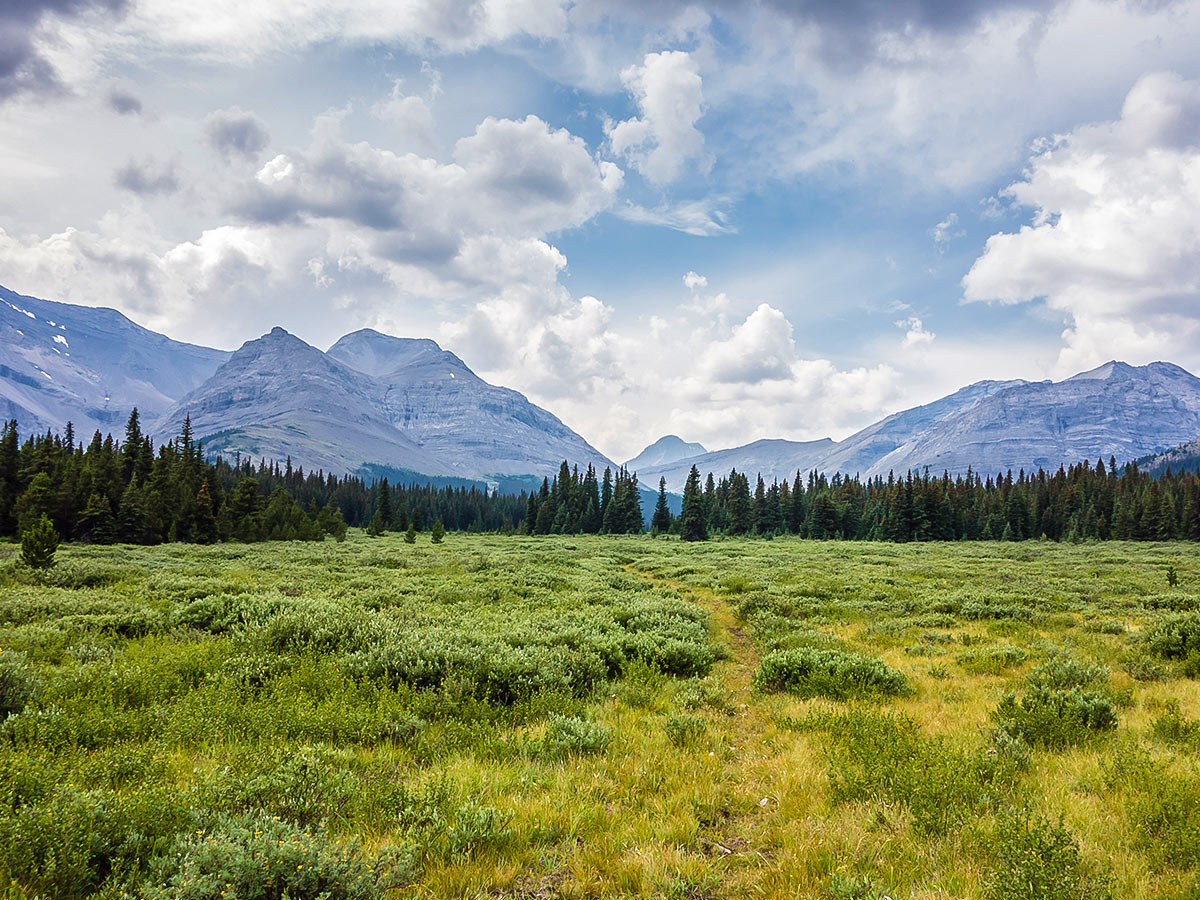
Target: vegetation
[(509, 716)]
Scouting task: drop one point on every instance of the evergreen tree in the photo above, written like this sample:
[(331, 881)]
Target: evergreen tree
[(661, 521), (383, 502), (692, 518), (410, 536), (438, 532), (38, 544)]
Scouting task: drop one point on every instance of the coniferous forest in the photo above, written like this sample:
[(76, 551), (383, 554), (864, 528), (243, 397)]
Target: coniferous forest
[(129, 491)]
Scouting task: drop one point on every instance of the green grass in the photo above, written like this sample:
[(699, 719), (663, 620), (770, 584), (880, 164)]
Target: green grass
[(600, 717)]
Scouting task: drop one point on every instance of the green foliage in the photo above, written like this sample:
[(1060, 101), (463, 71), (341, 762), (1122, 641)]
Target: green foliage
[(410, 536), (685, 731), (256, 856), (38, 544), (1172, 576), (18, 683), (574, 736), (1174, 636), (993, 660), (1035, 860), (885, 758), (811, 671), (438, 534)]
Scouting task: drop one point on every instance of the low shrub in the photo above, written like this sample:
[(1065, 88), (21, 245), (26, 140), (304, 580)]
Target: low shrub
[(256, 856), (1034, 860), (18, 683), (1174, 637), (1056, 718), (574, 736), (810, 671), (1172, 727)]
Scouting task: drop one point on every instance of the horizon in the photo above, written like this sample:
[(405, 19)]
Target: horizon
[(726, 222)]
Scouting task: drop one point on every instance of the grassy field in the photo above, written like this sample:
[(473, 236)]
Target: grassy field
[(611, 717)]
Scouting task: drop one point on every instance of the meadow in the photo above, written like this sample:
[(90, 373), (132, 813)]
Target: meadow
[(616, 716)]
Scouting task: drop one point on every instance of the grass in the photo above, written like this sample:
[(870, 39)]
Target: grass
[(588, 717)]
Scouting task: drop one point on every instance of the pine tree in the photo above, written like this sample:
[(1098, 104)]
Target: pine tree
[(38, 544), (661, 521), (410, 536), (383, 502), (438, 532), (692, 518)]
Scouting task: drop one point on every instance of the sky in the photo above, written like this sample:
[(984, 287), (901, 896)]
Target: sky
[(723, 220)]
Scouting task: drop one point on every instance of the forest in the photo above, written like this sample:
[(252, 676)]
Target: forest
[(129, 491)]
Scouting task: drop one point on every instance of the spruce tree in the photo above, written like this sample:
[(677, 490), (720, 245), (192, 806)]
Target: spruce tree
[(410, 536), (38, 544), (661, 521), (692, 519), (438, 532)]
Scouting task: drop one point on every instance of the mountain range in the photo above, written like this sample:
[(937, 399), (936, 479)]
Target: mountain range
[(379, 405)]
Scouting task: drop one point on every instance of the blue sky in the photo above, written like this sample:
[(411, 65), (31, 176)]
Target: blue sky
[(723, 220)]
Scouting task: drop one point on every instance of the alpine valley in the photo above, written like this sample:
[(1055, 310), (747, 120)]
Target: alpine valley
[(405, 408)]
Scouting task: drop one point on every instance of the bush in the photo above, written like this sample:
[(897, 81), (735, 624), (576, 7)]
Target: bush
[(1056, 718), (574, 736), (261, 857), (1174, 637), (992, 661), (810, 671), (1034, 860), (38, 545), (18, 684)]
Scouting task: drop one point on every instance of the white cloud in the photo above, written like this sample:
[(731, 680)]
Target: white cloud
[(412, 119), (946, 231), (1115, 239), (915, 334), (691, 281), (670, 96)]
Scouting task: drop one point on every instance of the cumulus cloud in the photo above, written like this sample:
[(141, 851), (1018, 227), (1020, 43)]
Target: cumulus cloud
[(412, 118), (691, 281), (670, 96), (1114, 242), (236, 132), (915, 334), (147, 178), (24, 65)]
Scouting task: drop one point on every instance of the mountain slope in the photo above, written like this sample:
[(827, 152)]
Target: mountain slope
[(773, 459), (1114, 410), (664, 451), (472, 428), (278, 397), (60, 362)]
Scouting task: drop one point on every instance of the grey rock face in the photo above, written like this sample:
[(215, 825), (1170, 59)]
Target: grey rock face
[(473, 429), (1114, 410), (373, 399), (664, 451), (64, 363)]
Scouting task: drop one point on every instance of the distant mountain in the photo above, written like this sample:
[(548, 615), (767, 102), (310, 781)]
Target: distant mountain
[(474, 429), (1115, 410), (991, 426), (90, 366), (374, 404), (1185, 457), (770, 458), (665, 450)]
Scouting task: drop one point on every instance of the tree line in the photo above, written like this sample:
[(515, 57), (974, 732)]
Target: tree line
[(130, 491), (1079, 502), (108, 491)]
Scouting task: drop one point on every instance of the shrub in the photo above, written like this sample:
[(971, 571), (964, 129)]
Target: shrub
[(1056, 718), (38, 544), (886, 758), (685, 731), (1065, 672), (810, 671), (1034, 860), (261, 857), (18, 684), (1174, 637), (574, 736), (1173, 728), (439, 532)]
